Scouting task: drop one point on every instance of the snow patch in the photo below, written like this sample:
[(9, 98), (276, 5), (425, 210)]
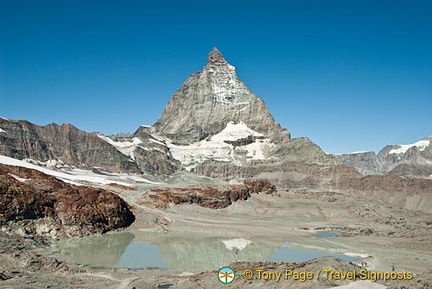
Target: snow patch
[(4, 118), (240, 110), (198, 152), (233, 132), (257, 149), (2, 130), (51, 164), (156, 141), (239, 244), (357, 255), (217, 149), (22, 180), (225, 85), (55, 164), (421, 145), (76, 176), (185, 274), (125, 147)]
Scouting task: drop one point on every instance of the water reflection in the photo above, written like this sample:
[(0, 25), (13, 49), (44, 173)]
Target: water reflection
[(212, 253), (177, 251), (95, 251), (141, 255)]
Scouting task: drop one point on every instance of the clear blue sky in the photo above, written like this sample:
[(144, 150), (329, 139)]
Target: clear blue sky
[(351, 74)]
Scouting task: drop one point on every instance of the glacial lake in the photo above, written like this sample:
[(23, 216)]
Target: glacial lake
[(177, 251)]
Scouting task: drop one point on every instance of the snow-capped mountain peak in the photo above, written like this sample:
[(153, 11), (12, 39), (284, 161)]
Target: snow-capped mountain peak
[(421, 145), (210, 99)]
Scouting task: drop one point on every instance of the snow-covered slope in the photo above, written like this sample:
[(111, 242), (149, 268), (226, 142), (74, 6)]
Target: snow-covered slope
[(126, 147), (77, 176), (402, 149), (236, 143)]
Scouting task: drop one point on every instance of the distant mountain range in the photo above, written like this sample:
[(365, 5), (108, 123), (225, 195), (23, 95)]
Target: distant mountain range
[(413, 160)]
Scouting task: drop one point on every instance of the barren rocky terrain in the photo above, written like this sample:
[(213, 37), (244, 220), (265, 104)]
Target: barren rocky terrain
[(370, 229)]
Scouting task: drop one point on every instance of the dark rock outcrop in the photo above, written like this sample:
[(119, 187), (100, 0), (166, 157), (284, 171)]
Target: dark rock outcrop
[(42, 204), (215, 197)]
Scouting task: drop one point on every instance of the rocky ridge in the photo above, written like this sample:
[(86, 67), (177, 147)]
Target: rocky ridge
[(22, 139), (64, 145), (413, 160)]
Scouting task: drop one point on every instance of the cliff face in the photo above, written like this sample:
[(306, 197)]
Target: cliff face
[(365, 163)]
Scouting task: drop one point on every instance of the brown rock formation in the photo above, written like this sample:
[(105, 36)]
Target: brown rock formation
[(58, 208), (214, 197)]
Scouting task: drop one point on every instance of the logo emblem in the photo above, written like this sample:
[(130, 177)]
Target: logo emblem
[(226, 275)]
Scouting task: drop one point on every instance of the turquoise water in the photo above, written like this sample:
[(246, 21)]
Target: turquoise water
[(140, 256), (327, 235), (288, 255)]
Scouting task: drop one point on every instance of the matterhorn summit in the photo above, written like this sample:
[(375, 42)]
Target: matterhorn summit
[(210, 100), (214, 119)]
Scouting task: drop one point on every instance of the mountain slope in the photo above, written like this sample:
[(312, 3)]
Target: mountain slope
[(22, 139)]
